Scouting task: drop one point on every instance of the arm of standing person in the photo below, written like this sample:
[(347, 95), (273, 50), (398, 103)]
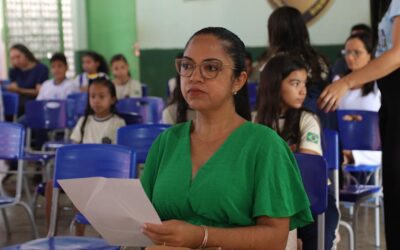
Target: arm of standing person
[(377, 68)]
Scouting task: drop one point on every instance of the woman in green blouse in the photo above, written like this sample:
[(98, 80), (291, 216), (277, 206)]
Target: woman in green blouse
[(221, 180)]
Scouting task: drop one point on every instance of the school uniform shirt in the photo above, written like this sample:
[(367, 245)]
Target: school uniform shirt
[(252, 174), (310, 132), (169, 114), (49, 90), (102, 131), (354, 99), (132, 88), (81, 80)]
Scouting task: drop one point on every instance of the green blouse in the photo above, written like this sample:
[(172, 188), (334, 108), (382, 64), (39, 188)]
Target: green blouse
[(252, 174)]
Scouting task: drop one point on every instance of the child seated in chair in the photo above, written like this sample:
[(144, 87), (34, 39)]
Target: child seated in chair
[(60, 86), (99, 125)]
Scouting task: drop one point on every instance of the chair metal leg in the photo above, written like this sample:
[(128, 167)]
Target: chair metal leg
[(53, 216), (355, 222), (351, 233), (6, 224), (321, 231), (26, 189), (377, 223), (35, 233)]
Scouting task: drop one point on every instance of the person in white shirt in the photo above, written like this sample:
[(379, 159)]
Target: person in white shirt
[(92, 64), (357, 54), (126, 86), (60, 86)]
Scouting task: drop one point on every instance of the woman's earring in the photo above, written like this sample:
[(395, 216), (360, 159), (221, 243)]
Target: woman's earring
[(234, 92)]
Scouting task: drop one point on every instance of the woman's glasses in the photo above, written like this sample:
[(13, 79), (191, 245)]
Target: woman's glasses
[(209, 69), (355, 53)]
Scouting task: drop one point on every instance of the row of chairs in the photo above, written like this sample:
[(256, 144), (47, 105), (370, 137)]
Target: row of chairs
[(41, 114), (116, 161), (113, 161), (312, 166)]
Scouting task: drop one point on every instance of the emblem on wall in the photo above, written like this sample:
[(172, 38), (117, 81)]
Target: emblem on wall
[(311, 9)]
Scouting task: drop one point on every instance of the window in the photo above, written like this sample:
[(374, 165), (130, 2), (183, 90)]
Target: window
[(44, 26)]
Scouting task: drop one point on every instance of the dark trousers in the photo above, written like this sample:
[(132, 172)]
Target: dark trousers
[(309, 233), (389, 118)]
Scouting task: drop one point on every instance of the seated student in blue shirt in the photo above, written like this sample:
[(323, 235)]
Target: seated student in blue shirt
[(26, 74)]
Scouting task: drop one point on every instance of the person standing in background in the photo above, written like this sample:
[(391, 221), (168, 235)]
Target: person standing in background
[(386, 70)]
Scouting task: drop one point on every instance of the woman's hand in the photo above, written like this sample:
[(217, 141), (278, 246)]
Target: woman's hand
[(13, 87), (175, 233), (330, 97)]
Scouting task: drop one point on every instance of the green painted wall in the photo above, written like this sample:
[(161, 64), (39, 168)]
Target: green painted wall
[(111, 29), (157, 65)]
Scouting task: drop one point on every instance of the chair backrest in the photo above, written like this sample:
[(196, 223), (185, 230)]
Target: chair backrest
[(50, 114), (11, 102), (359, 134), (12, 139), (330, 148), (131, 118), (144, 89), (80, 101), (252, 92), (12, 143), (313, 169), (140, 137), (94, 160), (150, 108)]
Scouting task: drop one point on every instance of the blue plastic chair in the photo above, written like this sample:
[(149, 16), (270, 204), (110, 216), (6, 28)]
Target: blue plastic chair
[(64, 242), (150, 108), (144, 90), (252, 91), (330, 145), (12, 138), (49, 115), (11, 102), (78, 103), (90, 160), (359, 135), (131, 118), (140, 137), (352, 194), (314, 173)]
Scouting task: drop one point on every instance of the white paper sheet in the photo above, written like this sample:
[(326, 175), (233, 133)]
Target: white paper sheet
[(116, 208)]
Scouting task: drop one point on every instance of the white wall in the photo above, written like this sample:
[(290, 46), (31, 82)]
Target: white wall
[(169, 23), (3, 54)]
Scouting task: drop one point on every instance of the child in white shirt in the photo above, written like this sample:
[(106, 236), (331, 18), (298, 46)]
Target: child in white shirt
[(126, 86), (59, 87)]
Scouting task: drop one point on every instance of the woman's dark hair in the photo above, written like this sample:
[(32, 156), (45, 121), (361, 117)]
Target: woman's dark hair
[(98, 58), (366, 40), (119, 57), (24, 50), (269, 97), (287, 33), (177, 98), (236, 50), (89, 111)]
